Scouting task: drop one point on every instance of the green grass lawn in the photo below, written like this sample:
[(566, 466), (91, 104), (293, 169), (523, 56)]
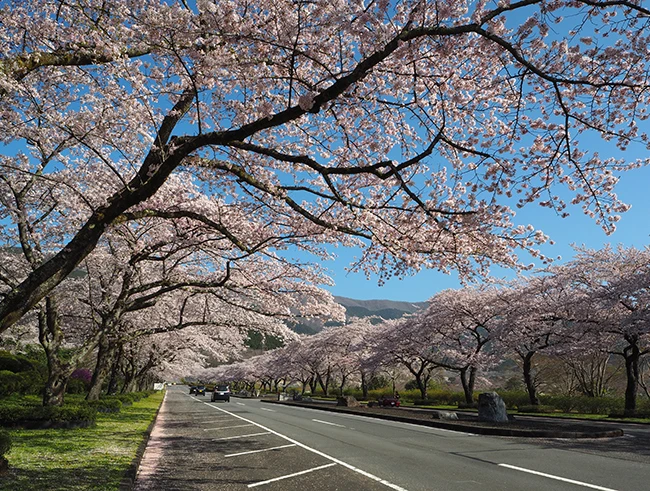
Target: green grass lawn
[(80, 459)]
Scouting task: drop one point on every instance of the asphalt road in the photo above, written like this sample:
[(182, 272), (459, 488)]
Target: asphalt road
[(245, 444)]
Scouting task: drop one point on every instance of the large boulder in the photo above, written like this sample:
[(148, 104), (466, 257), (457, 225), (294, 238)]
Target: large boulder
[(492, 408), (347, 401)]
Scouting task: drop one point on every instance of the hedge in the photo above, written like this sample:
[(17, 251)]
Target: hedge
[(25, 415), (106, 405)]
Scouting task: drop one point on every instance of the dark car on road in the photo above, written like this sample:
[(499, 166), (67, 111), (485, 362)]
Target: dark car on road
[(221, 393), (192, 389), (200, 390)]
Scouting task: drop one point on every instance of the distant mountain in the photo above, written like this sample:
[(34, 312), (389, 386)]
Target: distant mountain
[(387, 309)]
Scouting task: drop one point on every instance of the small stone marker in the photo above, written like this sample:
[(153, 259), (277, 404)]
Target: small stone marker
[(448, 415), (492, 408)]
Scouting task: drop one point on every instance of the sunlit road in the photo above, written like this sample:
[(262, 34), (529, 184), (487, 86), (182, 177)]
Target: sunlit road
[(248, 444)]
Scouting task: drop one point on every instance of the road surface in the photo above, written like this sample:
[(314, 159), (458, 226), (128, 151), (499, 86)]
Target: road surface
[(246, 444)]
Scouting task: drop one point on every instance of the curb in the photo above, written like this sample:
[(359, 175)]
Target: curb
[(614, 432), (128, 480)]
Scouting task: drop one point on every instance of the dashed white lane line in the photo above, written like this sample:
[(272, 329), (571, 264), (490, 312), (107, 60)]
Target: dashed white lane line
[(328, 423), (269, 410), (557, 478), (241, 403), (225, 427), (242, 436), (261, 483), (260, 451), (313, 450)]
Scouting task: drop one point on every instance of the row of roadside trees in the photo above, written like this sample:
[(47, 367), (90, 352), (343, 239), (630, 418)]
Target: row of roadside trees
[(595, 308)]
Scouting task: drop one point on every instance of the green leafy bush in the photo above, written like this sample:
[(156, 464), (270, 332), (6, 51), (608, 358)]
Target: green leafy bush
[(30, 382), (76, 386), (514, 398), (15, 363), (599, 405), (12, 413), (566, 404), (106, 405), (536, 409)]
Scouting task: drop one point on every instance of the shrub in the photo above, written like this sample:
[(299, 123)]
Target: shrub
[(599, 405), (566, 404), (12, 413), (76, 386), (106, 405), (15, 363), (514, 398), (536, 409)]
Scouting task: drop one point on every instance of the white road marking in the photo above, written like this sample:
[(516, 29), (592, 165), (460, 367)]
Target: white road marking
[(269, 410), (225, 427), (241, 436), (241, 403), (328, 423), (216, 420), (557, 478), (261, 483), (317, 452), (258, 451)]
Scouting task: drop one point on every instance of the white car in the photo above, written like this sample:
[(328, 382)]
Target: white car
[(221, 393)]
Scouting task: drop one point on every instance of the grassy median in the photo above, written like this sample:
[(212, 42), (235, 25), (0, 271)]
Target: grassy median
[(80, 459)]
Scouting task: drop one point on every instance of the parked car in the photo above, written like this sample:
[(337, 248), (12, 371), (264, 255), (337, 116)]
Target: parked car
[(385, 401), (221, 393), (200, 390)]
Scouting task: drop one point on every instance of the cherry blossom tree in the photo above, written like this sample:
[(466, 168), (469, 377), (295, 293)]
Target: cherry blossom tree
[(400, 342), (456, 329), (616, 311), (538, 317), (402, 127)]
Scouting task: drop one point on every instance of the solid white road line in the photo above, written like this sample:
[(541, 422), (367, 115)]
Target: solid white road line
[(241, 436), (259, 451), (225, 427), (557, 478), (328, 423), (290, 475), (317, 452)]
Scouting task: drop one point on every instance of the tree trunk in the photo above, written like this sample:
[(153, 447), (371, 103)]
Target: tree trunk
[(364, 385), (105, 357), (313, 383), (528, 378), (51, 338), (57, 381), (632, 354), (467, 378), (113, 381), (343, 380)]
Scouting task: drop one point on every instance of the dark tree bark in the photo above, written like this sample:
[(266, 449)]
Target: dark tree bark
[(529, 379), (106, 355), (467, 379)]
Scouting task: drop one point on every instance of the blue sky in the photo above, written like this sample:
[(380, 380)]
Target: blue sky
[(632, 230)]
